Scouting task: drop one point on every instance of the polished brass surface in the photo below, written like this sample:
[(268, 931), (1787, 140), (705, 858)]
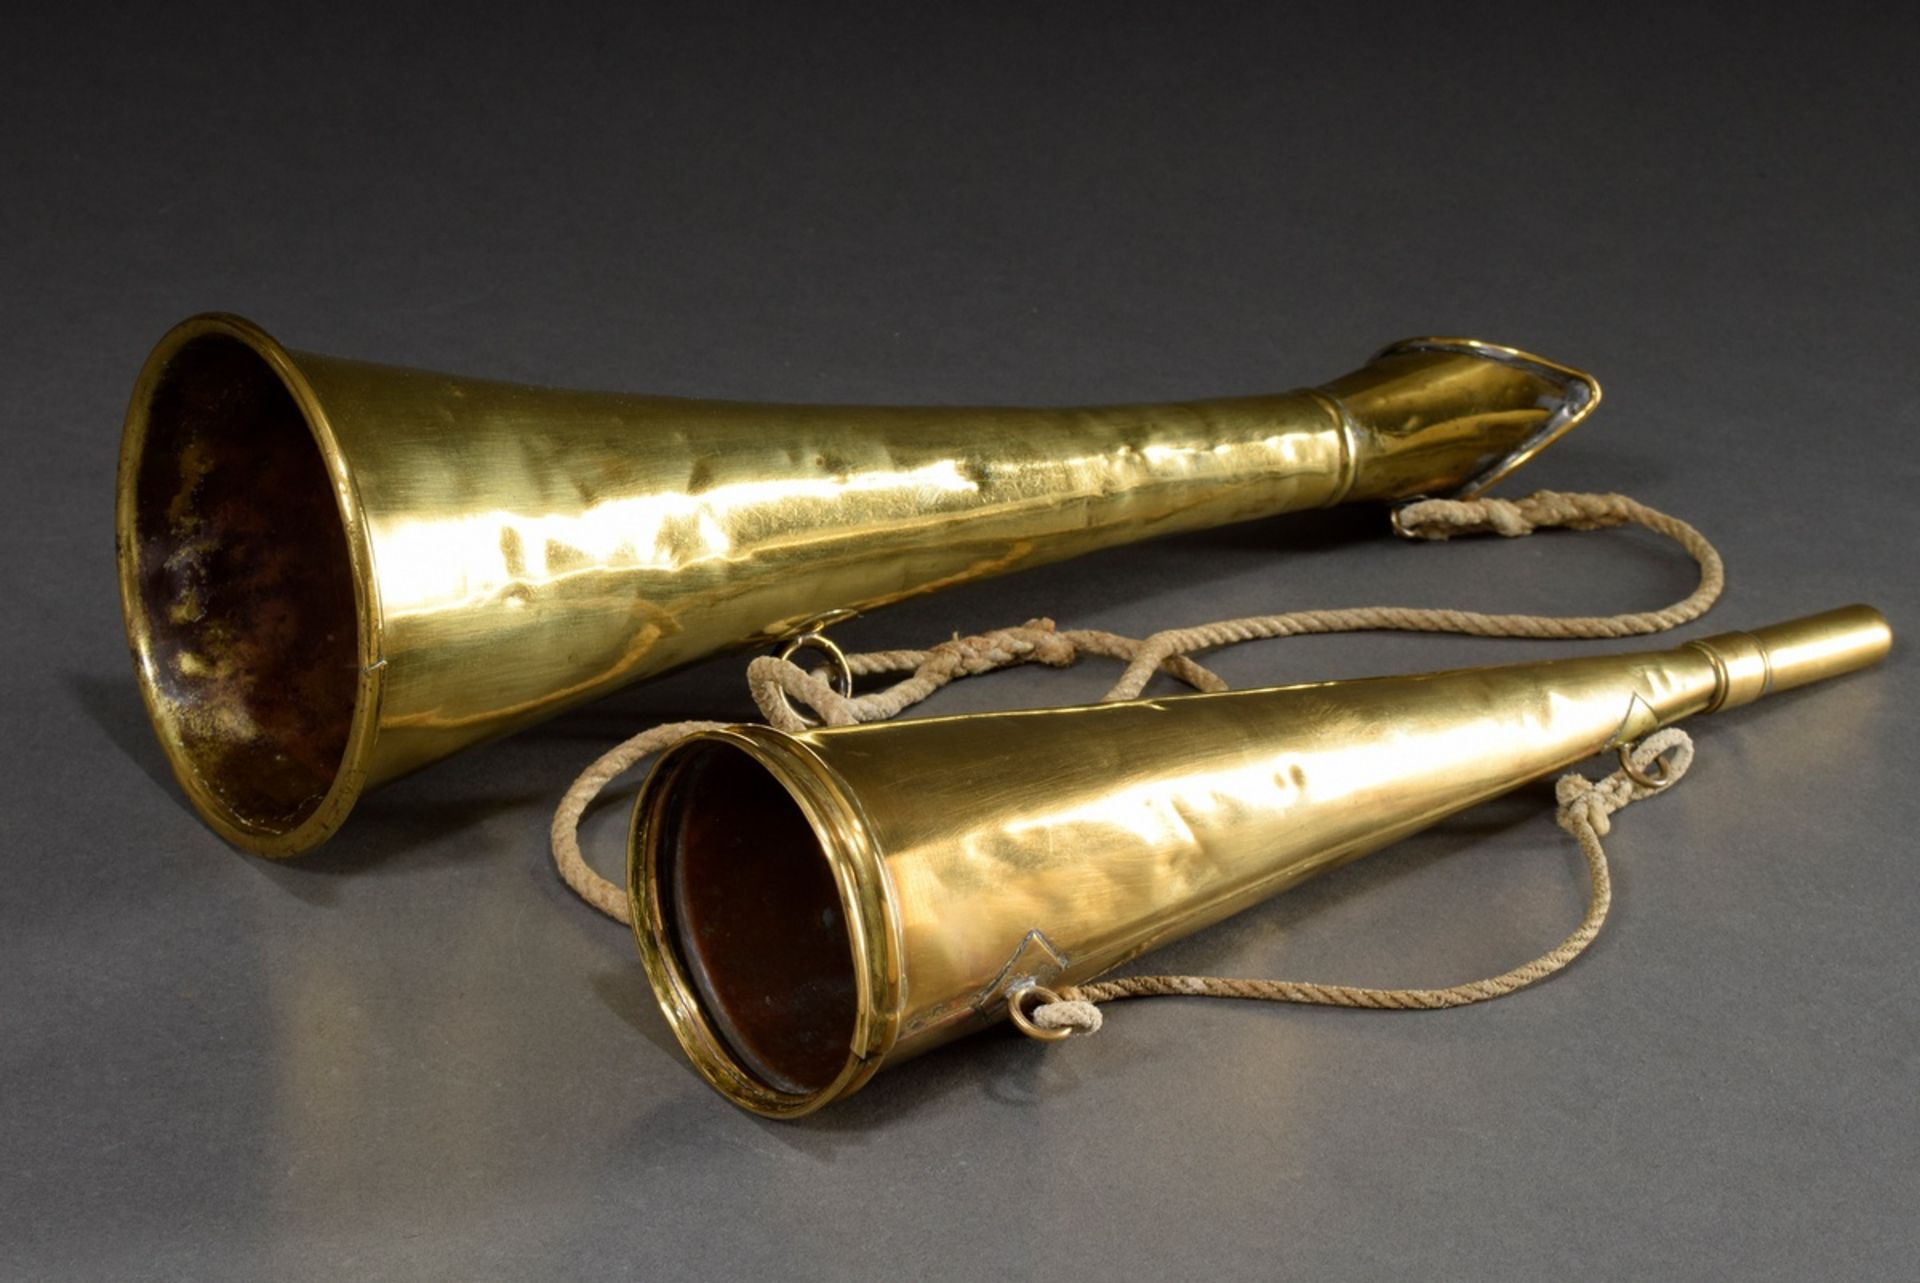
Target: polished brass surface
[(978, 854), (335, 572)]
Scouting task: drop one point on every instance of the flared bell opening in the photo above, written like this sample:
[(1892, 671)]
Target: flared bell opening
[(243, 584), (759, 926)]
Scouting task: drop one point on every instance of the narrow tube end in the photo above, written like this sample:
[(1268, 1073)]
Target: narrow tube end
[(1824, 645), (1450, 417), (1795, 653)]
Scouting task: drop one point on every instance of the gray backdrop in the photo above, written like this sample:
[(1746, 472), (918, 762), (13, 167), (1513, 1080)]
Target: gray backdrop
[(414, 1055)]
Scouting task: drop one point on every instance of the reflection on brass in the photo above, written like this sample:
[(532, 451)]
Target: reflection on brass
[(335, 572), (810, 907)]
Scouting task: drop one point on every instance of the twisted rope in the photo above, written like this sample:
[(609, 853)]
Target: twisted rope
[(1439, 519), (1584, 810), (1584, 805)]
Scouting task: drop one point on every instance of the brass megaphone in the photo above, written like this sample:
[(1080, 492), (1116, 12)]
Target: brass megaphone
[(810, 907), (335, 572)]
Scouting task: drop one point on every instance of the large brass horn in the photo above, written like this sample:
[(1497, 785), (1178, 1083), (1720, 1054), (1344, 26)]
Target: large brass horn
[(812, 907), (335, 572)]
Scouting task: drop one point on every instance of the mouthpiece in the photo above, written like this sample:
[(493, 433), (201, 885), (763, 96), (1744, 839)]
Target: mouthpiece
[(1783, 656)]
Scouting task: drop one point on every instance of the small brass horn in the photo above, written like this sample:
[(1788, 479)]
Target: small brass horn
[(811, 907)]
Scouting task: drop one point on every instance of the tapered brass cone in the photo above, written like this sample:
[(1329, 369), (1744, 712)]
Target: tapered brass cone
[(812, 907), (335, 572)]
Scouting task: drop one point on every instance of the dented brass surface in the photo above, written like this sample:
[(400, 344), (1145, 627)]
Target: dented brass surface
[(977, 854), (335, 572)]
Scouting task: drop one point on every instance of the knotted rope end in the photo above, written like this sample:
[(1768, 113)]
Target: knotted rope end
[(1074, 1015), (1440, 519)]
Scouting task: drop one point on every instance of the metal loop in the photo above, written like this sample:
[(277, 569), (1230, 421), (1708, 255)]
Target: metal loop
[(1017, 1012), (842, 670), (1639, 774)]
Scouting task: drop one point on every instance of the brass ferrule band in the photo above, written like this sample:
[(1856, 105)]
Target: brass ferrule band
[(1742, 670)]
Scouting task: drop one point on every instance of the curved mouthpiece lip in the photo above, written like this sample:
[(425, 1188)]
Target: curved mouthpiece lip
[(763, 920), (1577, 396), (246, 587)]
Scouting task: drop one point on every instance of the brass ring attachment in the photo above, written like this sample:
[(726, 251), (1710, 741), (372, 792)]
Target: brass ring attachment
[(842, 670), (1017, 1012), (1640, 776)]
